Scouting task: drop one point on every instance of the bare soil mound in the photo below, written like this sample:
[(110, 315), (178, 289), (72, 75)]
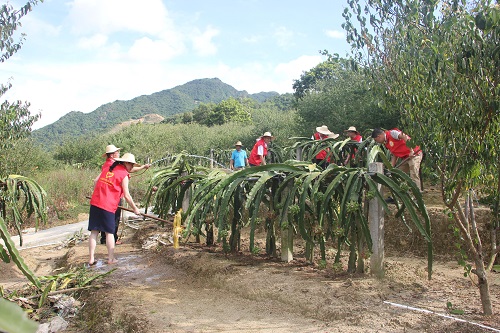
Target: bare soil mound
[(200, 289)]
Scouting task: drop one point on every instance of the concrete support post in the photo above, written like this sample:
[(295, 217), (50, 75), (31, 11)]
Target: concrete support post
[(211, 158), (376, 221), (186, 200), (298, 153), (287, 244)]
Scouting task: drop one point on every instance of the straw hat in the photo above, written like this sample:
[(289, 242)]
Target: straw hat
[(333, 135), (323, 130), (238, 143), (268, 134), (110, 149), (127, 157), (351, 129)]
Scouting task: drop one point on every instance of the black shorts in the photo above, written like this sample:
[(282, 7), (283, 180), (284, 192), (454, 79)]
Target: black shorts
[(101, 220)]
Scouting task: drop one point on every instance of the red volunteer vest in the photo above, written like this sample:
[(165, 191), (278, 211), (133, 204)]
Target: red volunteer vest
[(254, 158), (398, 147), (322, 154), (109, 162), (358, 138), (108, 189)]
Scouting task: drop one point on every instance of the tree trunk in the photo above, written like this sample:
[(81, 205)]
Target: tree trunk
[(494, 250), (234, 240), (475, 249), (309, 251), (270, 238), (351, 266), (484, 289), (210, 234)]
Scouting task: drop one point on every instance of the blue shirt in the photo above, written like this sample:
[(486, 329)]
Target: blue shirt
[(239, 158)]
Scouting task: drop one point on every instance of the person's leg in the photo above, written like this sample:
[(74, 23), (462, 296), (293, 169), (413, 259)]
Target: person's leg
[(414, 165), (118, 214), (110, 244), (92, 245)]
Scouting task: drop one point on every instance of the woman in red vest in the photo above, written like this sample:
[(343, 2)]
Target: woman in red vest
[(323, 133), (112, 153), (111, 185), (259, 150), (354, 135), (395, 141)]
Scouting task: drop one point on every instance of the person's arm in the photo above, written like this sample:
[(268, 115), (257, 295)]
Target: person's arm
[(403, 137), (260, 153), (231, 164), (145, 166), (128, 197), (246, 162)]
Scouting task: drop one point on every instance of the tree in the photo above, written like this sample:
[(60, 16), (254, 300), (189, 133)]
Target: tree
[(438, 63), (20, 197), (342, 98), (228, 110), (15, 118), (330, 69)]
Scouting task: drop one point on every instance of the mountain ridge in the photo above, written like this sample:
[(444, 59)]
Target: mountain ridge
[(165, 103)]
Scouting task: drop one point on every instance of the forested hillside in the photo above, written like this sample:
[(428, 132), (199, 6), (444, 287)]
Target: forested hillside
[(168, 102)]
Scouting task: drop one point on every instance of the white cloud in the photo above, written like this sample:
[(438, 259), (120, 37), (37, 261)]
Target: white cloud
[(86, 86), (34, 27), (95, 41), (252, 39), (283, 36), (202, 41), (109, 16), (335, 34), (146, 49)]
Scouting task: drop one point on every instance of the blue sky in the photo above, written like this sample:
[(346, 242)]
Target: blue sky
[(80, 54)]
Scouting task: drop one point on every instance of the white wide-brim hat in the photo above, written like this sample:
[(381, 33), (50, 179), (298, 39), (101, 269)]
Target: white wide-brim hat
[(268, 134), (238, 143), (323, 130), (110, 149), (333, 135), (128, 158), (352, 129)]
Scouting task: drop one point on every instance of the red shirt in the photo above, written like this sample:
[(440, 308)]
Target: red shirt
[(108, 189), (358, 138), (254, 158), (322, 154), (398, 147)]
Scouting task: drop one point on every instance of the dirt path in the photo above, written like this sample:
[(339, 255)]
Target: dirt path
[(195, 289)]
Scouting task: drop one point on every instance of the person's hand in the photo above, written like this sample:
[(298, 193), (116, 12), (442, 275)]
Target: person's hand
[(137, 211), (146, 166)]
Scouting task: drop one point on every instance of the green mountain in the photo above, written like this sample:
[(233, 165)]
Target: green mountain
[(165, 103)]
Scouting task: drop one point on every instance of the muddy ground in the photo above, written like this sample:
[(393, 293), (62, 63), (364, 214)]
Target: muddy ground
[(200, 289)]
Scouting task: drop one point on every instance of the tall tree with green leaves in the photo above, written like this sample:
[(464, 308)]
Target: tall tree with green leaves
[(339, 94), (15, 118), (20, 197), (438, 63)]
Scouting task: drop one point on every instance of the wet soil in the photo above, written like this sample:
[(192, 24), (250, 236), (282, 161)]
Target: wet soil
[(201, 289)]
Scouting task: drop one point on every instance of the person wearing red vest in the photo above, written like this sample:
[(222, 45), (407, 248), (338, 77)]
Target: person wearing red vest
[(259, 150), (323, 133), (395, 141), (354, 135), (112, 152), (112, 184)]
